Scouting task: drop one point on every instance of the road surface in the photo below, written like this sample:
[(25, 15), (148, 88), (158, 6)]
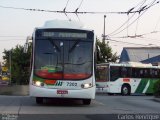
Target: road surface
[(103, 107)]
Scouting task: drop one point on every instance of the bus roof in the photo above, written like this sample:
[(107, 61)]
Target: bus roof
[(130, 64), (64, 24)]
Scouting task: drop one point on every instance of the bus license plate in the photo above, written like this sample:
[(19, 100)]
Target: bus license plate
[(62, 91)]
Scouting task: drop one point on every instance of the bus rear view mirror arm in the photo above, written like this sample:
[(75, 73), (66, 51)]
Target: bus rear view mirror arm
[(25, 50)]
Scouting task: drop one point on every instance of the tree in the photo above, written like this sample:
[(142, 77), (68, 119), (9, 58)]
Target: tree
[(20, 63), (105, 52)]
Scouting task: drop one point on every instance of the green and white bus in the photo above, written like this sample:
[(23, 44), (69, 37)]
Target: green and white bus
[(126, 78)]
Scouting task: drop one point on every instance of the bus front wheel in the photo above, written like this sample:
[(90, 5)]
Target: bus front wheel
[(125, 90), (86, 101), (39, 100)]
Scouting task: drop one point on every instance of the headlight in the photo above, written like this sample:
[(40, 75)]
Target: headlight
[(86, 85), (38, 83)]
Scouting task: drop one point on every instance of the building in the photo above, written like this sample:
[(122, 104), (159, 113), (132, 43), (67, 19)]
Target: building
[(141, 54)]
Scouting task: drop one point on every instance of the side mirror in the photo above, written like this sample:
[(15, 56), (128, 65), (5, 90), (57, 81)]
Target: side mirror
[(98, 53), (25, 50)]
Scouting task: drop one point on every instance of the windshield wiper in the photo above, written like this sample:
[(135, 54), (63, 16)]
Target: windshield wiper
[(73, 47), (54, 45)]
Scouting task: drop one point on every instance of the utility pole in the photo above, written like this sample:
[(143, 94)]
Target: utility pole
[(104, 31), (10, 53)]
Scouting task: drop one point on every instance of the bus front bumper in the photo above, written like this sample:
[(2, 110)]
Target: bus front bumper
[(62, 93)]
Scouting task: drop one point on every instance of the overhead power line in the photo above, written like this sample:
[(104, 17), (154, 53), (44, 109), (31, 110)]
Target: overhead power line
[(157, 24), (78, 9), (12, 40), (11, 36), (66, 4), (70, 12), (129, 18), (127, 42), (144, 9), (138, 35), (64, 10)]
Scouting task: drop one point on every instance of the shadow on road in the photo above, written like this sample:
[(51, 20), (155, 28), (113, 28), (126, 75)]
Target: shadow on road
[(61, 102)]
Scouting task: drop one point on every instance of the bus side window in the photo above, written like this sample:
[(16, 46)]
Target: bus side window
[(152, 73), (158, 73), (133, 75), (146, 73), (114, 73), (155, 73), (135, 72), (128, 71), (123, 72), (141, 73), (101, 74)]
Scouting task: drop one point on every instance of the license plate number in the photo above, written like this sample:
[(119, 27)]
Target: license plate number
[(62, 91)]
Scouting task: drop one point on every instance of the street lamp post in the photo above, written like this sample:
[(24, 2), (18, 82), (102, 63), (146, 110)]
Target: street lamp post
[(10, 53), (104, 31)]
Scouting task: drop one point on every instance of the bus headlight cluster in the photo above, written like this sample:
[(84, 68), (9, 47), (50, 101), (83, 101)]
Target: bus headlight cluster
[(86, 85), (38, 83)]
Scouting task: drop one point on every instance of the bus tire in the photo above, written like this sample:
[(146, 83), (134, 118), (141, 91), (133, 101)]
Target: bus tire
[(39, 100), (125, 90), (86, 101)]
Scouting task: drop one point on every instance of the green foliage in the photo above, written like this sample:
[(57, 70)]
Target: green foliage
[(20, 63), (156, 88), (105, 52)]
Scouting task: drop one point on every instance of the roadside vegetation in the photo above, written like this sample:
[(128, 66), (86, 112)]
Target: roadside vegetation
[(20, 64), (104, 52)]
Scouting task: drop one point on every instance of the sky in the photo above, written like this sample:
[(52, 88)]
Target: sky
[(140, 29)]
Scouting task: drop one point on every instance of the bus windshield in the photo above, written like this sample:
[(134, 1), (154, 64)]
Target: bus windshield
[(102, 73), (63, 59)]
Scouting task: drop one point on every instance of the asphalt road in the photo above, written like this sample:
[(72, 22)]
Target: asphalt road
[(104, 107)]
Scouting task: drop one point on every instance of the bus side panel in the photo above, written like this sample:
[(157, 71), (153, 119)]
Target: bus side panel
[(115, 87), (134, 82), (101, 87), (137, 85), (145, 85)]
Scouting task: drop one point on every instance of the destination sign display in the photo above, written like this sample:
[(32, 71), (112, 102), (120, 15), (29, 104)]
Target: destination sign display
[(64, 35)]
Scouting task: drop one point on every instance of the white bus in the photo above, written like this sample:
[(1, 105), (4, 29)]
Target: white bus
[(126, 78), (63, 62)]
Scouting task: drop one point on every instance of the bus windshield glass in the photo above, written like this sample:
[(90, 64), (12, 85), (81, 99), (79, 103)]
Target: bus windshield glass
[(65, 58), (102, 73)]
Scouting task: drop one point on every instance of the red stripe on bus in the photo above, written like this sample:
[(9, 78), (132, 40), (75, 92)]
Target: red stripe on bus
[(76, 76), (126, 80), (51, 82), (47, 75)]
